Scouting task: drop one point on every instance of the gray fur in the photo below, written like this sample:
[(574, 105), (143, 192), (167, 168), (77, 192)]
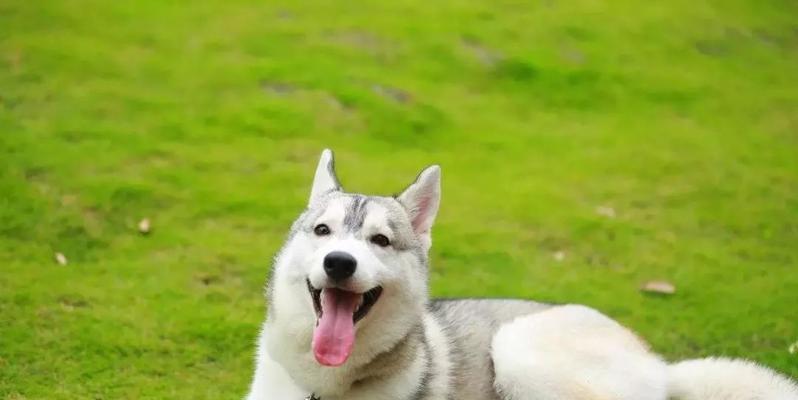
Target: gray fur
[(470, 324), (331, 170), (395, 359), (412, 348), (464, 371), (356, 213), (429, 371)]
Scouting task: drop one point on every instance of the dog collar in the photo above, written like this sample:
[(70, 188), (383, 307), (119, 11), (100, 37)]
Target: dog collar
[(312, 397)]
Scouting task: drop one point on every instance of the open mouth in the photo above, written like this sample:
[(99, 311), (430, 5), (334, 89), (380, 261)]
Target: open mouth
[(367, 300), (337, 312)]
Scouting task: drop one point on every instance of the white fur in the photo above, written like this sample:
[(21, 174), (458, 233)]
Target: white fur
[(285, 343), (324, 180), (563, 353), (422, 199), (271, 381), (439, 386), (289, 335), (724, 379), (574, 353)]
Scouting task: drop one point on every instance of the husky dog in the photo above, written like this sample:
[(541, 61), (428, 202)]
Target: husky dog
[(349, 318)]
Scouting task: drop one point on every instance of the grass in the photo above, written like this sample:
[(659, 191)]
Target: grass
[(208, 117)]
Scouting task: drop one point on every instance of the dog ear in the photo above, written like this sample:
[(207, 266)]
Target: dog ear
[(325, 180), (421, 200)]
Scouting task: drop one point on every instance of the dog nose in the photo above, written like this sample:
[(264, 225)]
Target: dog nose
[(339, 265)]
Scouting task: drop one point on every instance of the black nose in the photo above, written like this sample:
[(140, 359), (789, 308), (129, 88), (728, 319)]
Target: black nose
[(339, 265)]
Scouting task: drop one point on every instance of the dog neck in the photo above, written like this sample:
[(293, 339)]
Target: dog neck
[(397, 358), (398, 366)]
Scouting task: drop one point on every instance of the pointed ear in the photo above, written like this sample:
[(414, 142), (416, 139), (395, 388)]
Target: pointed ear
[(324, 181), (421, 200)]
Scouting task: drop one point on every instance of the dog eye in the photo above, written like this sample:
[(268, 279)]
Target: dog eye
[(380, 240), (321, 230)]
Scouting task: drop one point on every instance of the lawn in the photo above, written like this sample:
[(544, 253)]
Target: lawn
[(587, 147)]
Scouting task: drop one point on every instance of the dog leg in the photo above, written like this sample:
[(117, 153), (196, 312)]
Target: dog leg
[(271, 381), (574, 353)]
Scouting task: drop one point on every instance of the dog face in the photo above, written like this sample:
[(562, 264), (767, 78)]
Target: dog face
[(355, 263)]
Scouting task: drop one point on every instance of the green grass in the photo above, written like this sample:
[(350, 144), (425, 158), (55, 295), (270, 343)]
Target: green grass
[(208, 118)]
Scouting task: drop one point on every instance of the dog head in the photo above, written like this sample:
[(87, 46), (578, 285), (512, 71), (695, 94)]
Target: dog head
[(355, 266)]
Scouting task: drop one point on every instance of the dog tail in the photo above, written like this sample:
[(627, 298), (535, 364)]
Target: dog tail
[(727, 379)]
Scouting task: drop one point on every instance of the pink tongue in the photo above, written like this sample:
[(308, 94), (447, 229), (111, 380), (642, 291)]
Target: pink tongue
[(335, 331)]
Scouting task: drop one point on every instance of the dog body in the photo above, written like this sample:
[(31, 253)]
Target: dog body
[(350, 318)]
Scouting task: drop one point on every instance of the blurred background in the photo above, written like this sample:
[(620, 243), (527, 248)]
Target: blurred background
[(154, 153)]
